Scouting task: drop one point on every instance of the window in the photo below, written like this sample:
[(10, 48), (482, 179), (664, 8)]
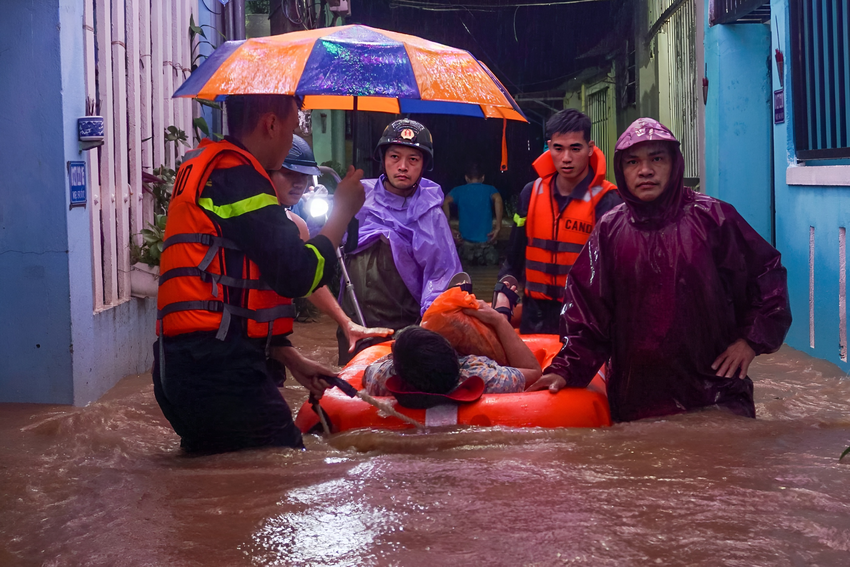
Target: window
[(820, 77), (630, 76)]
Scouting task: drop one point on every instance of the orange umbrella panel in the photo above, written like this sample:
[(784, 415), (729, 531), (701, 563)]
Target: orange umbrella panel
[(327, 68)]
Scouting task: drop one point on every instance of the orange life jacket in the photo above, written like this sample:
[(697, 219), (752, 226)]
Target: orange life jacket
[(192, 275), (556, 237)]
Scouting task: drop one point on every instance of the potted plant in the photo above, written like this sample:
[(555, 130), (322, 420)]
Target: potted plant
[(146, 251), (145, 272), (146, 247), (90, 126)]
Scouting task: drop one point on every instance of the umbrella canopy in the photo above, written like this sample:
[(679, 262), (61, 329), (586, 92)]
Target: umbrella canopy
[(334, 68)]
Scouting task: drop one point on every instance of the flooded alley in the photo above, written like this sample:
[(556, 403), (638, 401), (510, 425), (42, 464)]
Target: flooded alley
[(108, 485)]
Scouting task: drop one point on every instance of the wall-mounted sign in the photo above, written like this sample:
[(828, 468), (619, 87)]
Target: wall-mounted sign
[(77, 183), (779, 106)]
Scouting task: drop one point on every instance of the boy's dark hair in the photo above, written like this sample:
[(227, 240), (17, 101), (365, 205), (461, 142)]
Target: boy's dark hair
[(474, 170), (566, 121), (244, 111), (425, 360)]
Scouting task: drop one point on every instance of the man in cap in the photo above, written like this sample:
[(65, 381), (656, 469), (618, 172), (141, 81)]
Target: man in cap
[(290, 181), (405, 254), (675, 287)]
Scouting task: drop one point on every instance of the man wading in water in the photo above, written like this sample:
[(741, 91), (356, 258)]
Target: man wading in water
[(675, 287), (405, 254), (232, 259)]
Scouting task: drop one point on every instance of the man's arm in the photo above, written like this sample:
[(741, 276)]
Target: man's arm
[(447, 210), (585, 322), (516, 351), (514, 264), (764, 312), (499, 210), (242, 203)]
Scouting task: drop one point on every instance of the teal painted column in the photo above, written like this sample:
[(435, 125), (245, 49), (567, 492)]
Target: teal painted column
[(739, 121)]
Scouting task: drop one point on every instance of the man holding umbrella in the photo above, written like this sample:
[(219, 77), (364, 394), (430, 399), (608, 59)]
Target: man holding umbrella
[(231, 259), (405, 254)]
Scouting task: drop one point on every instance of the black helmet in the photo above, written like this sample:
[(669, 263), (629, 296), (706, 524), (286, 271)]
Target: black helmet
[(300, 158), (406, 132)]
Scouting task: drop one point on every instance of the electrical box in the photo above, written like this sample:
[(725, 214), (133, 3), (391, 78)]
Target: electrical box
[(340, 7)]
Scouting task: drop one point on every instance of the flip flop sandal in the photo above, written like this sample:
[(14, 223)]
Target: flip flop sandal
[(461, 280), (504, 286)]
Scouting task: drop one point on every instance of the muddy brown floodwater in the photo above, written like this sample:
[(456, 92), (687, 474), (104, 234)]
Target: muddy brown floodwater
[(107, 485)]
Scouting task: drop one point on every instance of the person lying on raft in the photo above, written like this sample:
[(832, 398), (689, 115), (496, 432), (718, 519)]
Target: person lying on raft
[(425, 362)]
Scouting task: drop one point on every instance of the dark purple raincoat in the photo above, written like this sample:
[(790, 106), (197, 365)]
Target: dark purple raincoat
[(663, 288)]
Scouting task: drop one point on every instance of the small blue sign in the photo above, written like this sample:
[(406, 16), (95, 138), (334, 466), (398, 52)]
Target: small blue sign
[(77, 183), (779, 106)]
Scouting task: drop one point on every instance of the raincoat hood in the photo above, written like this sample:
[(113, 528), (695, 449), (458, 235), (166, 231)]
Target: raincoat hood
[(669, 203)]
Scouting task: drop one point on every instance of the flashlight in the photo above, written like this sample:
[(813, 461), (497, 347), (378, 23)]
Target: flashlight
[(318, 206)]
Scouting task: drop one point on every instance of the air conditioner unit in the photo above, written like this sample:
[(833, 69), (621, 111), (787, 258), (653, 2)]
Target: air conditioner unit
[(340, 7)]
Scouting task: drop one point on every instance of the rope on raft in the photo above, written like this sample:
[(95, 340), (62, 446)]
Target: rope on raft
[(388, 409), (351, 392)]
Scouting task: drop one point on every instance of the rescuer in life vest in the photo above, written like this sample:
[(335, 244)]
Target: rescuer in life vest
[(555, 217), (405, 254), (231, 259)]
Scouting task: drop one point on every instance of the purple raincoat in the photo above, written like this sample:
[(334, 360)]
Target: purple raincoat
[(663, 288), (418, 233)]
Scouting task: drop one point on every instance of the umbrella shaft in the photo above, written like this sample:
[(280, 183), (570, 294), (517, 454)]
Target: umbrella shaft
[(349, 288)]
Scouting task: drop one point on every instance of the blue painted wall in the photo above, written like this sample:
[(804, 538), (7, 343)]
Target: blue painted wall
[(35, 336), (737, 149), (53, 348), (738, 118), (798, 208)]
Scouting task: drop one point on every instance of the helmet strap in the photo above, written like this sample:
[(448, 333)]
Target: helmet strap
[(408, 192)]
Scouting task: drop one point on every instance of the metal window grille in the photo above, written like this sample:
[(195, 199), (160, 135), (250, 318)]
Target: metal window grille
[(136, 54), (630, 87), (820, 77), (738, 11), (677, 20), (597, 110)]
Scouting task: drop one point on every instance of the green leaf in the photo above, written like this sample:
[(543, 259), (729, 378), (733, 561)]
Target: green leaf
[(210, 103), (224, 37), (845, 453), (160, 221), (201, 124), (196, 29)]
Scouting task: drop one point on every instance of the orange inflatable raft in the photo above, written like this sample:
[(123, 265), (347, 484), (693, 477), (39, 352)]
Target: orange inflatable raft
[(570, 407)]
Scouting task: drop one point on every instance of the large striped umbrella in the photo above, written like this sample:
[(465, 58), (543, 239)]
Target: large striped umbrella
[(355, 68)]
